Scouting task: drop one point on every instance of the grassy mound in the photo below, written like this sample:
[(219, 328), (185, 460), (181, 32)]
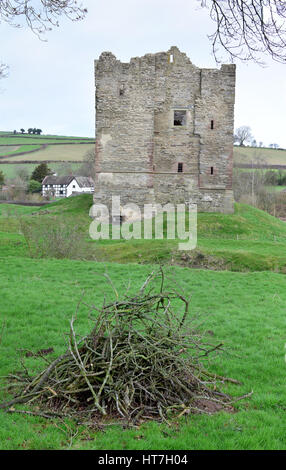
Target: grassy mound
[(248, 240)]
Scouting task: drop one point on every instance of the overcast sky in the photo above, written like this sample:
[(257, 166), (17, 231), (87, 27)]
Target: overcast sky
[(51, 85)]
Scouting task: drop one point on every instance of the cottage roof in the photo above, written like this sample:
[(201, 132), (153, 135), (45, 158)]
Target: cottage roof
[(51, 179), (82, 181)]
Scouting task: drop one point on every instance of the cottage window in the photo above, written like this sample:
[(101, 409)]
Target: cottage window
[(180, 167), (179, 118)]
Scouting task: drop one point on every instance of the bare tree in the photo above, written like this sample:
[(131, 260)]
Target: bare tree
[(247, 29), (3, 70), (87, 167), (40, 15), (242, 135)]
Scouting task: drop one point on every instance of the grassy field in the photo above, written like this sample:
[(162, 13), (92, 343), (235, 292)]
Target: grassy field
[(68, 149), (243, 309), (68, 152), (248, 240), (7, 150), (259, 155), (22, 139)]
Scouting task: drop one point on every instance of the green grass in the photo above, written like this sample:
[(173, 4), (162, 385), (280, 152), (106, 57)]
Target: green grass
[(14, 151), (67, 152), (245, 311), (70, 150), (264, 155), (248, 240), (21, 139), (276, 189)]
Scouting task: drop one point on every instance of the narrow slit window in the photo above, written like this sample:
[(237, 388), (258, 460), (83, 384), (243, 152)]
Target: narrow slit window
[(179, 118), (171, 58), (212, 170), (180, 168), (121, 90), (212, 124)]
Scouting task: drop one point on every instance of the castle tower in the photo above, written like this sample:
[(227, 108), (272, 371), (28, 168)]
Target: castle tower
[(164, 131)]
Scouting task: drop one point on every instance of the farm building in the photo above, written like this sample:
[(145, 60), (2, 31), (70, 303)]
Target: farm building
[(164, 131), (65, 186)]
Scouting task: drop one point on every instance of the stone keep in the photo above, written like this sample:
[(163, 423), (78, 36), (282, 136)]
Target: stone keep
[(164, 131)]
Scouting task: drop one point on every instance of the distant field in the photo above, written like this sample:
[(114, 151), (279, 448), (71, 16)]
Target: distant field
[(19, 139), (29, 148), (69, 152), (8, 148), (13, 149), (11, 171), (259, 155), (25, 151)]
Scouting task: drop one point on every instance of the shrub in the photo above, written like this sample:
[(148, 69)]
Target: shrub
[(34, 186), (52, 238)]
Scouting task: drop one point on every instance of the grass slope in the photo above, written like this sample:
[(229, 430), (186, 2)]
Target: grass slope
[(248, 240), (70, 149), (260, 155), (245, 310), (66, 152)]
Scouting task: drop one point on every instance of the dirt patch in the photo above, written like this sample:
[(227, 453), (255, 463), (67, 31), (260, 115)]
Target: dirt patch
[(211, 407), (41, 352), (197, 259)]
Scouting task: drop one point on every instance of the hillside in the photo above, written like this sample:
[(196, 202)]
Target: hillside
[(256, 155), (26, 151), (248, 240)]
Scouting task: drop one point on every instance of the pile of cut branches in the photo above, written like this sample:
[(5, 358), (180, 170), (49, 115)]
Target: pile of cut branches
[(142, 360)]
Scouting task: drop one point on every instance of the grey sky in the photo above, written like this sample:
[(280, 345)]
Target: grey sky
[(51, 83)]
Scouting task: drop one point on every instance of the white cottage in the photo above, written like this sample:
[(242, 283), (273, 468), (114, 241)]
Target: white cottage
[(65, 186)]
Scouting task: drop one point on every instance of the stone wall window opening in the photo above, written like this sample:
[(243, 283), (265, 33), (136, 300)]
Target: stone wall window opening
[(212, 170), (121, 90), (171, 57), (180, 167), (180, 118), (212, 124)]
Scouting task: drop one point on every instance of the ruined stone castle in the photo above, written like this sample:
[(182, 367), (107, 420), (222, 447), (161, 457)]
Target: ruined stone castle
[(164, 131)]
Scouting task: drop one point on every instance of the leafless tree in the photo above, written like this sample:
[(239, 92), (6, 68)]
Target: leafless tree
[(87, 167), (247, 29), (242, 135), (39, 15), (3, 70)]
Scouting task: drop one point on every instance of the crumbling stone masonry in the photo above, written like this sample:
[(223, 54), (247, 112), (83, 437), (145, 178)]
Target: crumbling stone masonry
[(164, 131)]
